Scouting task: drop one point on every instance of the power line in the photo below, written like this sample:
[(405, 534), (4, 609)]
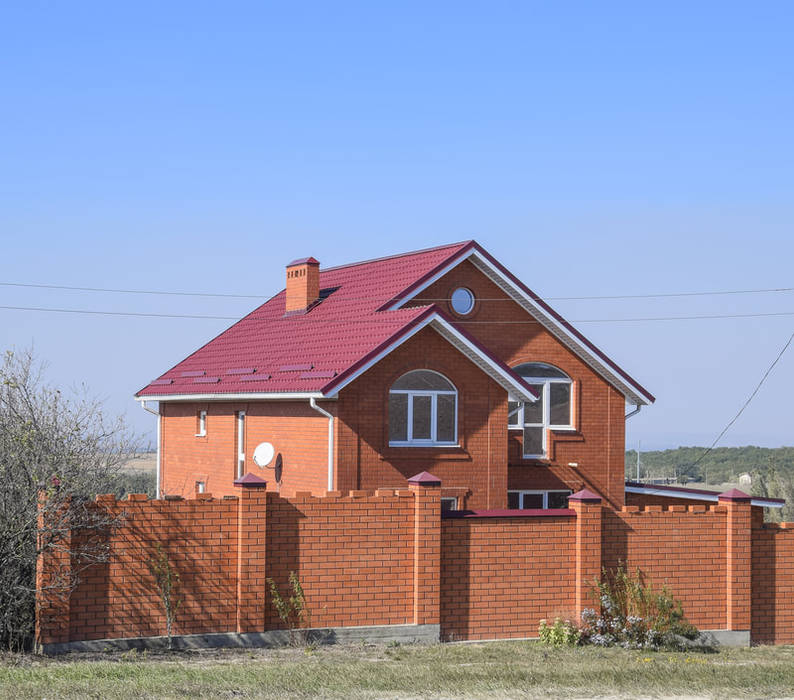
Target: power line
[(746, 403), (389, 320), (383, 299), (132, 291)]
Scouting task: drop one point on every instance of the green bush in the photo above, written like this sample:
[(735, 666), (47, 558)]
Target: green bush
[(562, 633), (630, 613)]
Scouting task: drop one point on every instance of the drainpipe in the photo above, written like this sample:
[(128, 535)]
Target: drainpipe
[(155, 413), (636, 410), (330, 418)]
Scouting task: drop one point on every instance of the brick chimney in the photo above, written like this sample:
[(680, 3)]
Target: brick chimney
[(303, 284)]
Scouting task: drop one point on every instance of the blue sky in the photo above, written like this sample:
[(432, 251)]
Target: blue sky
[(595, 148)]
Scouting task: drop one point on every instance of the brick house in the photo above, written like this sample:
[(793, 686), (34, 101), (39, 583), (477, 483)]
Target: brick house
[(362, 375)]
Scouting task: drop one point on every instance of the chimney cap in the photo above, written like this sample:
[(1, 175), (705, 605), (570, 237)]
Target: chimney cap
[(303, 261)]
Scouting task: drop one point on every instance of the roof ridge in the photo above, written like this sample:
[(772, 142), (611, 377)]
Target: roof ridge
[(458, 244)]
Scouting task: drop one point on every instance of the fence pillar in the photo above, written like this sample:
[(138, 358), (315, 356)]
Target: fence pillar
[(738, 559), (251, 553), (588, 545), (427, 548)]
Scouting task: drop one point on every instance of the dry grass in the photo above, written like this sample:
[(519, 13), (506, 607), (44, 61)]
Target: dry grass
[(495, 670)]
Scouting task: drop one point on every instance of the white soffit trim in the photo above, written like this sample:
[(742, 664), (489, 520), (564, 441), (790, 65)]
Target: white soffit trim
[(539, 314), (694, 496), (485, 363), (453, 336), (285, 396)]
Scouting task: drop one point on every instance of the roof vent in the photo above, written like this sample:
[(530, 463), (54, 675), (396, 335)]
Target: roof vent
[(303, 284)]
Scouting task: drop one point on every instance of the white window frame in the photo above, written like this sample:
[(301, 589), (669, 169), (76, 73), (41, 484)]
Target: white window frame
[(524, 492), (202, 424), (546, 399), (240, 444), (454, 500), (433, 394)]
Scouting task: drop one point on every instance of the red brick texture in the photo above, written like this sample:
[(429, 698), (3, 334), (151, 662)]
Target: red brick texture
[(597, 447), (389, 557), (681, 547), (772, 616), (478, 467), (298, 433), (501, 576)]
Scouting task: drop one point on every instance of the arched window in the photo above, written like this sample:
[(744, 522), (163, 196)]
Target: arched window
[(423, 410), (551, 410)]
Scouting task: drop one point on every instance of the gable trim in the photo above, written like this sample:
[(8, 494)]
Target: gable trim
[(489, 364), (538, 309)]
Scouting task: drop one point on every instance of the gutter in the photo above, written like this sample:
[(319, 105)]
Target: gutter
[(322, 411), (636, 410), (155, 413)]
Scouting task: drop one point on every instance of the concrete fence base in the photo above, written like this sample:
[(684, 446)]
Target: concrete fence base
[(406, 634)]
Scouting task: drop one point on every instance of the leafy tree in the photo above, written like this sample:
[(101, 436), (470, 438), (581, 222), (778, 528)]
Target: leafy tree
[(56, 453)]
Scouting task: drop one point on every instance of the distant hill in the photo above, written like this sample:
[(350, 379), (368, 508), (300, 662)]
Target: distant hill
[(721, 465)]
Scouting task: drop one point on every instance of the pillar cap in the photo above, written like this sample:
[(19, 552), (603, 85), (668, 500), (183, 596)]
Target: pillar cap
[(425, 479), (251, 481), (585, 496), (735, 496)]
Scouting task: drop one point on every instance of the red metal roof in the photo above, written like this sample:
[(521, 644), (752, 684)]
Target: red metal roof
[(316, 351), (330, 338)]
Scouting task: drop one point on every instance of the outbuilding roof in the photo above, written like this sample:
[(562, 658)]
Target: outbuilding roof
[(358, 320)]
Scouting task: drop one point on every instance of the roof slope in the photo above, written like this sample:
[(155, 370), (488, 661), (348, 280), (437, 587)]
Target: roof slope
[(359, 318), (302, 353)]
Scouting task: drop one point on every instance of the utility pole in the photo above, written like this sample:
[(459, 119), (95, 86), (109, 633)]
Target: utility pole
[(639, 445)]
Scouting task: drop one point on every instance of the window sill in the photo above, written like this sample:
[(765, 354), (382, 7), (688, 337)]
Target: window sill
[(201, 435), (424, 452)]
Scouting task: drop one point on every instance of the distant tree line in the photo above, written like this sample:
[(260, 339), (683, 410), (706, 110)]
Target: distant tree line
[(771, 470)]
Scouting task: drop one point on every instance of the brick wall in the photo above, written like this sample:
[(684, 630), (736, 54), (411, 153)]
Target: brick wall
[(476, 471), (598, 445), (501, 576), (298, 433), (681, 547), (772, 597), (388, 557)]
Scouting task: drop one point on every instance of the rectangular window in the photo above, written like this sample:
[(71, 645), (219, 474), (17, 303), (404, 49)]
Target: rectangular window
[(202, 424), (448, 503), (560, 403), (445, 419), (421, 418), (398, 417), (537, 500), (240, 444), (200, 487)]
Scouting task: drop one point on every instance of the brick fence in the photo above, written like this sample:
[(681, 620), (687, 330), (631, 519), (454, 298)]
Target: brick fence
[(388, 560)]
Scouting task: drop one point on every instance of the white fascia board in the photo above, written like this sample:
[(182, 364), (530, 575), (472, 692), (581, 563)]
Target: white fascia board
[(484, 362), (259, 396), (377, 358), (453, 336), (451, 265), (531, 306), (557, 329), (650, 491)]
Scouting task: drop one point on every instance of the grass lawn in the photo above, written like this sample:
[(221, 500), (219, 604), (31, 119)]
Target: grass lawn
[(493, 670)]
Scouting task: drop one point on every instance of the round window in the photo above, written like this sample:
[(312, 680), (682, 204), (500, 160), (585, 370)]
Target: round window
[(462, 301)]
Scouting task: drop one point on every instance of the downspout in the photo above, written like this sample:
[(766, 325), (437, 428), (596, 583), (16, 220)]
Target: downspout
[(155, 413), (330, 418), (636, 410)]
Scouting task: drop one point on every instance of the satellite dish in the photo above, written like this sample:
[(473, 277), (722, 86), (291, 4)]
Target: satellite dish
[(263, 454)]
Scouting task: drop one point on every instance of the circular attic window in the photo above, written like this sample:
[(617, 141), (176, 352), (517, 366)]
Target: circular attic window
[(462, 301)]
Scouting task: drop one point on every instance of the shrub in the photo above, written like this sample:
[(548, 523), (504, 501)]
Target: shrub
[(630, 613), (562, 633)]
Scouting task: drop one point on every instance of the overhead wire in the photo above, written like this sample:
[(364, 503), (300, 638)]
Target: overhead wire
[(389, 320), (664, 295), (745, 404)]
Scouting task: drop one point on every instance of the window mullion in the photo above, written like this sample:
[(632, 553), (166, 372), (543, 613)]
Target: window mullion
[(409, 433), (433, 417)]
